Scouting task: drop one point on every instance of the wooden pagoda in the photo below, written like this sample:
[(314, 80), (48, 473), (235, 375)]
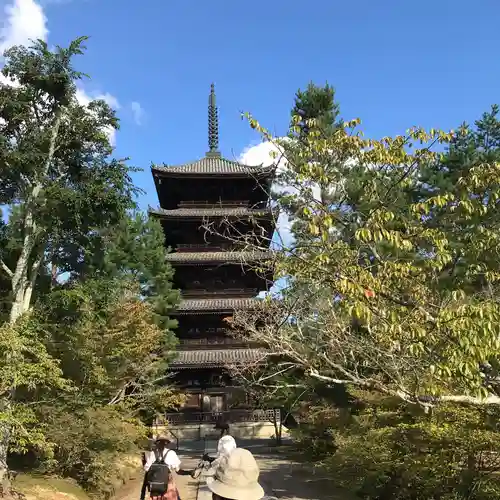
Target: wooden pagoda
[(214, 272)]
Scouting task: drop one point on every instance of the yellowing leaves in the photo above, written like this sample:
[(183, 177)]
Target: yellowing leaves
[(408, 267)]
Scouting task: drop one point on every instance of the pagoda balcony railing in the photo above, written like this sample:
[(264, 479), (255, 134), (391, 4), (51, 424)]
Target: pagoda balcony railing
[(200, 247), (211, 204), (211, 342), (233, 416), (227, 292), (209, 331)]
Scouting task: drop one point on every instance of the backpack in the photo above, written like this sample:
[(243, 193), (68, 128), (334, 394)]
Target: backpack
[(158, 475)]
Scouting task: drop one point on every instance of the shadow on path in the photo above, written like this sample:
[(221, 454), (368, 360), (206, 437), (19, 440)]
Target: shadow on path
[(283, 478)]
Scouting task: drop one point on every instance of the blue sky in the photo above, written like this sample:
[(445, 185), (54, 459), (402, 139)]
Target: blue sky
[(394, 64)]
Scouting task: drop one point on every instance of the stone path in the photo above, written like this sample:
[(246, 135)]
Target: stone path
[(286, 479), (280, 477)]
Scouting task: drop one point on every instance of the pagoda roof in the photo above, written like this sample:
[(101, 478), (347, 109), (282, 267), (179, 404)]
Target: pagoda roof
[(211, 212), (213, 165), (214, 306), (222, 257), (216, 357)]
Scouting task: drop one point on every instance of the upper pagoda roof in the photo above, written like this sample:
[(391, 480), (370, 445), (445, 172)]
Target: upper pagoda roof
[(211, 212), (213, 165)]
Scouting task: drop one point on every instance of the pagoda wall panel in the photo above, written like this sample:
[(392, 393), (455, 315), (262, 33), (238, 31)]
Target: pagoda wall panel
[(202, 326), (211, 190), (218, 278), (223, 234)]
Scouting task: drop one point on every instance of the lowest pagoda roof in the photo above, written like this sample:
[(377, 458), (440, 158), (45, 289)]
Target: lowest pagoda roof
[(211, 212), (216, 358), (213, 164), (222, 257), (215, 306)]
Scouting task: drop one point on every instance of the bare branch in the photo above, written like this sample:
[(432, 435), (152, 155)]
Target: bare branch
[(6, 269)]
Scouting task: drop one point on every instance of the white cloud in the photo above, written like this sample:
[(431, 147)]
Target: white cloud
[(84, 98), (260, 154), (25, 21), (138, 112), (111, 100)]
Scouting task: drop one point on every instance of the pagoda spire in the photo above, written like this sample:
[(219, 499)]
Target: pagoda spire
[(213, 125)]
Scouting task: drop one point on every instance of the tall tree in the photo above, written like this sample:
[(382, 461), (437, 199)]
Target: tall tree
[(56, 173), (315, 113), (318, 104), (134, 248), (60, 184)]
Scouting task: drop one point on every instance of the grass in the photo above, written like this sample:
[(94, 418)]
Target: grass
[(38, 487)]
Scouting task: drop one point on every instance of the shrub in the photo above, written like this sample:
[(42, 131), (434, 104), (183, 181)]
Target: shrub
[(394, 453), (92, 446)]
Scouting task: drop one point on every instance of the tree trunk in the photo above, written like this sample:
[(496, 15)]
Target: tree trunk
[(277, 429), (23, 280), (53, 275), (22, 275), (5, 431)]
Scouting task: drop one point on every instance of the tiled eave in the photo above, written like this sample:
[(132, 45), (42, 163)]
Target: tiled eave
[(212, 358)]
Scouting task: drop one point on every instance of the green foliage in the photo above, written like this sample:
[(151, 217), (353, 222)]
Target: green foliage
[(314, 104), (389, 452), (91, 444), (394, 294), (109, 354), (26, 368), (315, 116), (105, 339), (135, 248), (399, 280), (56, 172), (83, 357)]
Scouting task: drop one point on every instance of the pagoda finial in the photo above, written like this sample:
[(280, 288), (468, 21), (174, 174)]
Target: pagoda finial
[(213, 125)]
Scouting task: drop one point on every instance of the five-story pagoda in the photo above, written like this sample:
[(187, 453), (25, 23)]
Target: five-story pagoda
[(213, 268)]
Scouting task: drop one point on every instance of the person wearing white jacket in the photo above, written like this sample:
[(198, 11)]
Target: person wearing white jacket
[(225, 445)]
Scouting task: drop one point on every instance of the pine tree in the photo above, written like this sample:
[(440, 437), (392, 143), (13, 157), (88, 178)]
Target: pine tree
[(315, 103), (314, 108), (134, 248)]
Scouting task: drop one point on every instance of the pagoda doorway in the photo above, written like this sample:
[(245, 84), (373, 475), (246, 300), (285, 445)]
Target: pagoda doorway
[(214, 403)]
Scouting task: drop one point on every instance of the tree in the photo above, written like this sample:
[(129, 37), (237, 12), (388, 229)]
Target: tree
[(389, 261), (105, 331), (314, 104), (134, 248), (315, 114), (284, 393), (107, 342), (111, 355), (389, 451), (56, 174), (60, 184)]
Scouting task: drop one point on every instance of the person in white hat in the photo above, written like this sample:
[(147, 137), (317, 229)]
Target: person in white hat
[(225, 446), (236, 478)]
